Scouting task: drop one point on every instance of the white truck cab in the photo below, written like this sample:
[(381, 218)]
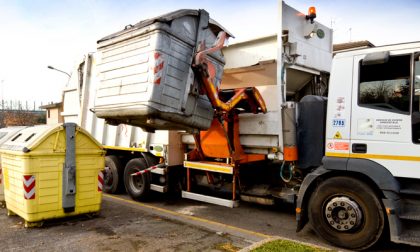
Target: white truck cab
[(369, 181), (379, 121)]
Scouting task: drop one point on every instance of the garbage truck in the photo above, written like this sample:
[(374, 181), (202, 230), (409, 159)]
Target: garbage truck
[(176, 115)]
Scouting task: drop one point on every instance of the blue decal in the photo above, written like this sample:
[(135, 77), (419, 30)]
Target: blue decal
[(339, 123)]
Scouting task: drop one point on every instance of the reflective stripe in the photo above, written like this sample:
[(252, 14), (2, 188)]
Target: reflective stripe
[(29, 186), (124, 148), (100, 181), (223, 168), (372, 156)]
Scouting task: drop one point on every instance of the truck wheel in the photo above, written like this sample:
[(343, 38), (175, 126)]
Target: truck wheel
[(113, 174), (137, 186), (346, 212)]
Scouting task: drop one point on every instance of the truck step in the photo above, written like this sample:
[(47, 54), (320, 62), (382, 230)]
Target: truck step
[(210, 199), (412, 215), (158, 188), (410, 191), (410, 209), (410, 238), (410, 229), (209, 166)]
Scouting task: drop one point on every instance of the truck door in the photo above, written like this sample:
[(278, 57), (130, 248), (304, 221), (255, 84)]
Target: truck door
[(385, 120)]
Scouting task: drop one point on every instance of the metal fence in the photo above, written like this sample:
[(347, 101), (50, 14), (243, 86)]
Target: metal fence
[(19, 113), (20, 105)]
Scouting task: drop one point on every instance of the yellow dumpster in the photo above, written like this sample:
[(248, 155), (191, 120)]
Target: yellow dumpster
[(52, 172)]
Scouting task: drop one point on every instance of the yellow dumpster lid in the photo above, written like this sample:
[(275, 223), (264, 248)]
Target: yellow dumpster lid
[(29, 138), (7, 133)]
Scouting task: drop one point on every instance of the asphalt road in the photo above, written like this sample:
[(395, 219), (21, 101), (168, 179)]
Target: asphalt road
[(162, 224)]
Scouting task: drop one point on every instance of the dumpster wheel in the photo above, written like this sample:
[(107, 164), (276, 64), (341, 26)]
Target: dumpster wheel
[(37, 224)]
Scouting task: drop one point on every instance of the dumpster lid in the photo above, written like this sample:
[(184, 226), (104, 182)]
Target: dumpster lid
[(30, 137), (214, 26), (7, 133), (26, 137)]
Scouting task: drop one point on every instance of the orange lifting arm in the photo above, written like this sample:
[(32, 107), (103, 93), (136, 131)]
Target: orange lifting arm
[(222, 140)]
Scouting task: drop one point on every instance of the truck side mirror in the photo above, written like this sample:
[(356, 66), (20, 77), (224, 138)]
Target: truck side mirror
[(375, 58)]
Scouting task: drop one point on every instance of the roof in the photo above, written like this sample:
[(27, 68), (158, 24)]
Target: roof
[(51, 105), (363, 51), (352, 45)]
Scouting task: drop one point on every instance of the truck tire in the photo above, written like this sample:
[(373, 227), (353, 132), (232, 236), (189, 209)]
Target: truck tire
[(138, 187), (113, 175), (346, 212)]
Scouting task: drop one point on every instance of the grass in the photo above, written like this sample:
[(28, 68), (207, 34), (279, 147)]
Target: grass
[(286, 246)]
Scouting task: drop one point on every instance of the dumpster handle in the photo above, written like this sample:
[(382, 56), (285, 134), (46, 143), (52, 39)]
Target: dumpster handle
[(221, 37), (69, 169), (56, 141)]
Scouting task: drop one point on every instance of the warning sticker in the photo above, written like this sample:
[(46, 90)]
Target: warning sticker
[(343, 146), (338, 146), (338, 135), (330, 145)]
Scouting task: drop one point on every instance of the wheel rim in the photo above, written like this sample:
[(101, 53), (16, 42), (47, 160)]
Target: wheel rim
[(343, 214), (136, 182), (108, 177)]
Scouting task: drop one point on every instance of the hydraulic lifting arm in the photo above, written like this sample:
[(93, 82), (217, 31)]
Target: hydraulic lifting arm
[(218, 149)]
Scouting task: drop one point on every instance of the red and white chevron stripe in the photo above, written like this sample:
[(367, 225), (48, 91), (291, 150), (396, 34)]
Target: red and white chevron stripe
[(100, 181), (29, 186), (157, 68)]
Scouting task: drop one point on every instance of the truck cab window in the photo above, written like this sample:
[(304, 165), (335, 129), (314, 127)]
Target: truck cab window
[(416, 100), (386, 86)]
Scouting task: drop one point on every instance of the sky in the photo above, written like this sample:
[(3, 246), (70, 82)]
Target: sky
[(38, 33)]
